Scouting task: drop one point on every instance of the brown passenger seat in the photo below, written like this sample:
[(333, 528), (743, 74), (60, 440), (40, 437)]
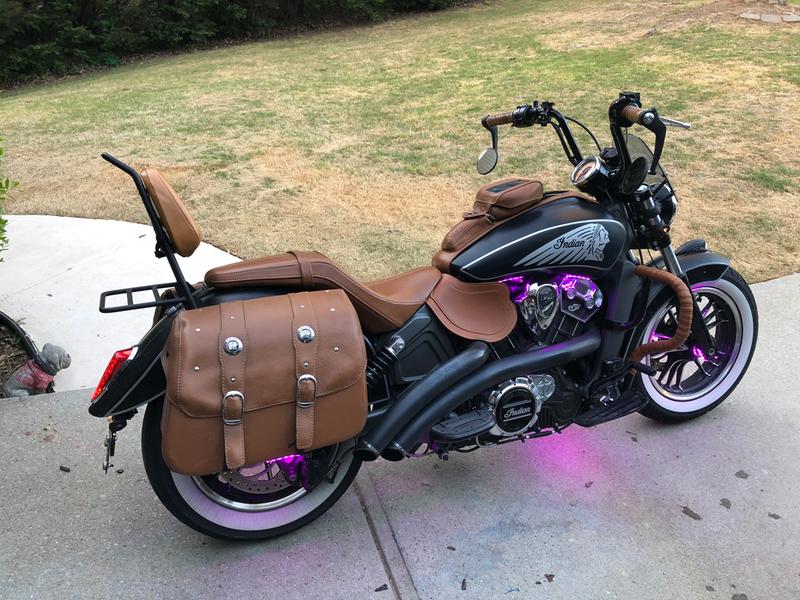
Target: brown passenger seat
[(382, 305)]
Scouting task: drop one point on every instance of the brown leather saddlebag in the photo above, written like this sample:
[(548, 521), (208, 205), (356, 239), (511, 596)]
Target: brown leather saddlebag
[(249, 381)]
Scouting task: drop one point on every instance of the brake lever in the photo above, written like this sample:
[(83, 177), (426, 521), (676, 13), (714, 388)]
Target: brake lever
[(675, 123)]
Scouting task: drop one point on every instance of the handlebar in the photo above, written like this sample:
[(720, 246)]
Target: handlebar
[(626, 111), (498, 119), (634, 114), (536, 113)]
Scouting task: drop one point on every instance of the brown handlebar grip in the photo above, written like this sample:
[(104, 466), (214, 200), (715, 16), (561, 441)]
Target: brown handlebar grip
[(633, 113), (498, 119)]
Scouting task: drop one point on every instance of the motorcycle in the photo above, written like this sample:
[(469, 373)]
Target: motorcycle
[(593, 332)]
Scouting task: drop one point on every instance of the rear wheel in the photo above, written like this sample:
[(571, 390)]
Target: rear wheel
[(255, 502), (689, 383)]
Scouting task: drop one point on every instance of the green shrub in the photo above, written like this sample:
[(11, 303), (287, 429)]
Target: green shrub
[(5, 185), (61, 36)]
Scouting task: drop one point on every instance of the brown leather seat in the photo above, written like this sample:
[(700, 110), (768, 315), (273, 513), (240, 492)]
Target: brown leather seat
[(381, 305)]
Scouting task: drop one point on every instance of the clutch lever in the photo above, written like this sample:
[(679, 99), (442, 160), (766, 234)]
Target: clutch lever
[(675, 123)]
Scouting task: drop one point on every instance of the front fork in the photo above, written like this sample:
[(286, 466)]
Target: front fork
[(699, 334)]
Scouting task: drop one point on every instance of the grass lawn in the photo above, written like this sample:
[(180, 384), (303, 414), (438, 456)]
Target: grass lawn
[(361, 142)]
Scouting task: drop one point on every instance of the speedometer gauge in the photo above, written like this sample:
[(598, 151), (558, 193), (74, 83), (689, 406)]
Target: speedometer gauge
[(586, 170)]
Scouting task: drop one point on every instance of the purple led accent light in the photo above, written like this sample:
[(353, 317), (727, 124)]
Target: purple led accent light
[(517, 287), (659, 336), (698, 353), (289, 458), (570, 282), (578, 287)]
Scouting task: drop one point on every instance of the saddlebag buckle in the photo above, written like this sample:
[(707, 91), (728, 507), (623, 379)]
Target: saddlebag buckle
[(233, 408)]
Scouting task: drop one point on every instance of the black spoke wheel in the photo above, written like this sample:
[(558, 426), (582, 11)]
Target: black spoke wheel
[(689, 381)]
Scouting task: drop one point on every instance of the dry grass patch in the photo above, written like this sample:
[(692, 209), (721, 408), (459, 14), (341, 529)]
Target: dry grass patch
[(360, 143)]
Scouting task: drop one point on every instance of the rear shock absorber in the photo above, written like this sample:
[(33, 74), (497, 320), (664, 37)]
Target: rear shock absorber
[(384, 359)]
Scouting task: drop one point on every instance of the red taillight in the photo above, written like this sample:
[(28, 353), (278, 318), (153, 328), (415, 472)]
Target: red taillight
[(114, 365)]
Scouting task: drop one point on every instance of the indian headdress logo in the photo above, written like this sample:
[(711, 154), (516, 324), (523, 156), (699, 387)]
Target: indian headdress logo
[(582, 243)]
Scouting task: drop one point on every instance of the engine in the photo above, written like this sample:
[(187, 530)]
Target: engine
[(550, 311), (532, 403), (556, 309)]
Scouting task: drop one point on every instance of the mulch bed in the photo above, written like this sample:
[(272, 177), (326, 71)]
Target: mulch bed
[(12, 355)]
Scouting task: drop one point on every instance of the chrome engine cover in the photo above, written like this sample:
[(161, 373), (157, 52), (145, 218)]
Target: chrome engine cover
[(517, 402), (540, 306), (558, 308), (581, 297)]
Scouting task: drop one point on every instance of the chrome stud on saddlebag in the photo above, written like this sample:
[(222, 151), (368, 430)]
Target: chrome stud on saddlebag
[(232, 346), (305, 334)]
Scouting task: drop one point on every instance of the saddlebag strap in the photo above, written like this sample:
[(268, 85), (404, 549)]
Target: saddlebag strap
[(306, 349), (306, 273), (232, 357)]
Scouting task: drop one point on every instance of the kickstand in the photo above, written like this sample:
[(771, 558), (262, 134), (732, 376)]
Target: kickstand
[(115, 424)]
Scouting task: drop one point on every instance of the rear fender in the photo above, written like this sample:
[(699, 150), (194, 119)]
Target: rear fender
[(141, 379)]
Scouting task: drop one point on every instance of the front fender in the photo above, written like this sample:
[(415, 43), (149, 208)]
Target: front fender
[(698, 266)]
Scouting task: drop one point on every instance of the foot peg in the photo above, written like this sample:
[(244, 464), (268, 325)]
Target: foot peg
[(463, 427), (643, 368), (628, 402)]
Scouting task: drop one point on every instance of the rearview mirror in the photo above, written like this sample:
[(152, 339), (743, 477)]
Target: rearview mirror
[(487, 161)]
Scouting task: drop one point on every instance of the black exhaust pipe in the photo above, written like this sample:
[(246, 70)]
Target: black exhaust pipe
[(533, 361), (417, 396)]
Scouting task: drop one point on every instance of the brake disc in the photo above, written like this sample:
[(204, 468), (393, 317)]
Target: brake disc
[(264, 478)]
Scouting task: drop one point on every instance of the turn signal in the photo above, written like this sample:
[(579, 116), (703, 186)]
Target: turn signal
[(114, 365)]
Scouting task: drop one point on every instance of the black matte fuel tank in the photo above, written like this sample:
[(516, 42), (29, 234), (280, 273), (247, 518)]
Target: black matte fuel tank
[(569, 235)]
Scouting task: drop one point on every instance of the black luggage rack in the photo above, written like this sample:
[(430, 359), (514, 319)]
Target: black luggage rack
[(164, 249), (131, 304)]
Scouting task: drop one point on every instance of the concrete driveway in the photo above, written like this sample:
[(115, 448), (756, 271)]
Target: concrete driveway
[(53, 273), (631, 509)]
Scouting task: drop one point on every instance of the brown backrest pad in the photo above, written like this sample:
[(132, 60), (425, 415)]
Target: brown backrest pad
[(182, 230), (474, 311), (192, 356)]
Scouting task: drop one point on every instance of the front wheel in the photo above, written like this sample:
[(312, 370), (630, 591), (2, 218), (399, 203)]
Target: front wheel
[(255, 502), (688, 383)]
